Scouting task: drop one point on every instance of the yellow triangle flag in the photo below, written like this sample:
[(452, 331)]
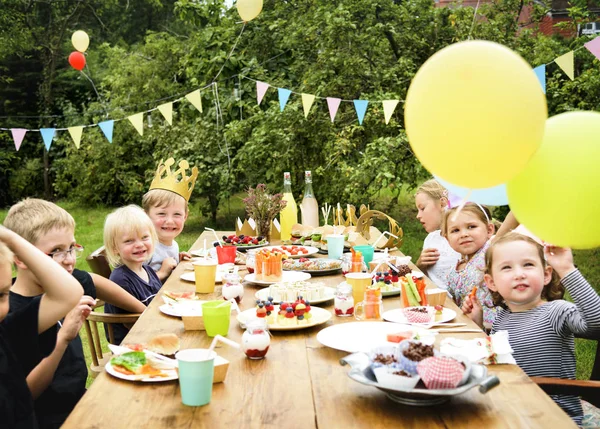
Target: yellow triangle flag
[(307, 101), (137, 121), (388, 109), (76, 134), (194, 98), (167, 111), (565, 62)]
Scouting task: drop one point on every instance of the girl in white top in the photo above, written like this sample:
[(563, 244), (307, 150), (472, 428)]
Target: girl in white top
[(437, 258)]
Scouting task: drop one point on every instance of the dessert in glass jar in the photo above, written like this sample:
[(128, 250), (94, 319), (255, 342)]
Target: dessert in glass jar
[(256, 340), (344, 301), (232, 288)]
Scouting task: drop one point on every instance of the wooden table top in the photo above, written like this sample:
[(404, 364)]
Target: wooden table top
[(300, 383)]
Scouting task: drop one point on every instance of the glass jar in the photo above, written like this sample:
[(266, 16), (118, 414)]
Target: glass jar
[(256, 340), (232, 288), (250, 260), (372, 307), (343, 301)]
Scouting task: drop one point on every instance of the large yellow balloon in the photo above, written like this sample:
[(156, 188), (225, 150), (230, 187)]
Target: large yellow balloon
[(475, 114), (249, 9), (556, 196), (80, 40)]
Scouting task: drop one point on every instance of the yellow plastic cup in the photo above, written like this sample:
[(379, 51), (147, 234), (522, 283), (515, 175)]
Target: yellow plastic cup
[(205, 272), (359, 283)]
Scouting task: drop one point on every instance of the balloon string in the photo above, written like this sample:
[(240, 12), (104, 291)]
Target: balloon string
[(230, 52), (95, 90), (473, 23)]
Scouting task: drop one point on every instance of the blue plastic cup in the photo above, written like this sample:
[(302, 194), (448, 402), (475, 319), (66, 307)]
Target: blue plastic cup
[(196, 370), (367, 251), (335, 246)]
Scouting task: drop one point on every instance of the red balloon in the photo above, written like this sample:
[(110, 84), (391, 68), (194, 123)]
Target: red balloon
[(77, 60)]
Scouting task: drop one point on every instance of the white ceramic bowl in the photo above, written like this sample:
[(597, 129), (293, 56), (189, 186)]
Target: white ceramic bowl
[(387, 379)]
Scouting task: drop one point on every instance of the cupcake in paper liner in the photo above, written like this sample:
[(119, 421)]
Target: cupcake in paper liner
[(384, 356), (441, 372), (394, 378), (419, 314), (413, 352)]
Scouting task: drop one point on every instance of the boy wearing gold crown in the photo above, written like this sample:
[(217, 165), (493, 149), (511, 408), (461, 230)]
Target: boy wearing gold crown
[(166, 203)]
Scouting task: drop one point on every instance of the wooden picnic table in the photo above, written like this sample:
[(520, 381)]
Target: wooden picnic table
[(300, 383)]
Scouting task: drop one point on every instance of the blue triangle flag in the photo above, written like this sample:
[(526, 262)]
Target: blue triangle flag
[(540, 72), (107, 129), (361, 109), (284, 95), (47, 136)]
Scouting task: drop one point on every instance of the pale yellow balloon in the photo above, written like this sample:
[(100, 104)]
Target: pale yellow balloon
[(80, 40), (249, 9), (556, 196), (475, 114)]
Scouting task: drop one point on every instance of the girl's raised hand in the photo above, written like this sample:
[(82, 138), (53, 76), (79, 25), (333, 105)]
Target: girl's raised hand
[(428, 257), (472, 308), (560, 259)]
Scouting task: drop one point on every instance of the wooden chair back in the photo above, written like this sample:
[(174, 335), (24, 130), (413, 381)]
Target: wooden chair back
[(98, 262), (100, 357)]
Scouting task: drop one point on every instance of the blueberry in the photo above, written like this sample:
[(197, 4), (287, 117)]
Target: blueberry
[(260, 238), (301, 317), (306, 302), (270, 299), (378, 273), (216, 244), (388, 282), (289, 309), (261, 305), (241, 237), (258, 301), (224, 238)]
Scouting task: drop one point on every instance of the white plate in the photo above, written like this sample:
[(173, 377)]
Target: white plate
[(286, 277), (199, 252), (363, 336), (192, 307), (391, 292), (397, 316), (311, 250), (253, 246), (319, 316), (329, 293), (190, 276), (171, 375)]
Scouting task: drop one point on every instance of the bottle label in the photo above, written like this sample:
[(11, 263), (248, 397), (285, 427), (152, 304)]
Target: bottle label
[(307, 177), (287, 178)]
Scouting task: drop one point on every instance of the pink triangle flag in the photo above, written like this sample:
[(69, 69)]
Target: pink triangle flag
[(18, 136), (261, 89), (333, 104), (594, 47)]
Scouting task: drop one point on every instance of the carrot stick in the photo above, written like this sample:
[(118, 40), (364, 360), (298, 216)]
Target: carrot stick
[(404, 295), (473, 293)]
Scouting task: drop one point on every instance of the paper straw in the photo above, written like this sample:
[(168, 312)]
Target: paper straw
[(461, 206), (219, 339), (216, 236), (205, 251), (384, 233)]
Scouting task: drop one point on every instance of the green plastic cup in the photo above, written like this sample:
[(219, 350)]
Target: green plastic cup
[(196, 370), (367, 251), (216, 317)]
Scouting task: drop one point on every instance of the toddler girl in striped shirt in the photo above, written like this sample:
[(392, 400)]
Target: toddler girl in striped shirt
[(526, 281)]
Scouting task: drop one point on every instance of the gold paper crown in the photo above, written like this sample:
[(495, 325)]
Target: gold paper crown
[(178, 182)]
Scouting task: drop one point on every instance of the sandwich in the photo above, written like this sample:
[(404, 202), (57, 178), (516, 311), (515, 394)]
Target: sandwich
[(136, 364), (165, 344)]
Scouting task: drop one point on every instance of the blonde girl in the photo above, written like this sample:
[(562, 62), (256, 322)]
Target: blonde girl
[(437, 258), (527, 282), (469, 232), (129, 240)]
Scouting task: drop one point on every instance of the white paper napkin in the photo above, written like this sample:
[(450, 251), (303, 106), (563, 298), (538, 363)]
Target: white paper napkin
[(494, 349)]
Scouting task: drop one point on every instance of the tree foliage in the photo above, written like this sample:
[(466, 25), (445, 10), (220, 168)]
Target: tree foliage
[(352, 49)]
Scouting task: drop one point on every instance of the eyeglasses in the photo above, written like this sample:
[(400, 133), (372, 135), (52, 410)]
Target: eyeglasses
[(61, 255)]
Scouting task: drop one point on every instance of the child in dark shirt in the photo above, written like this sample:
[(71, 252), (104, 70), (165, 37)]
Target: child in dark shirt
[(129, 239), (19, 339)]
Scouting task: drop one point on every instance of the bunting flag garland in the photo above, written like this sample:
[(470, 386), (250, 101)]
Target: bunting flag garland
[(284, 95), (307, 102), (333, 104), (194, 98), (47, 136), (565, 62), (594, 47), (540, 72), (261, 89), (76, 134), (137, 121), (107, 129), (18, 136), (167, 111), (388, 108), (361, 109)]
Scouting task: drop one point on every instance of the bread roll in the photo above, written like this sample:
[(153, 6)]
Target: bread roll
[(165, 344)]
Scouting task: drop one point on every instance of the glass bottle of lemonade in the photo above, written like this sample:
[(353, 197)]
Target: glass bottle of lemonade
[(310, 207), (289, 215)]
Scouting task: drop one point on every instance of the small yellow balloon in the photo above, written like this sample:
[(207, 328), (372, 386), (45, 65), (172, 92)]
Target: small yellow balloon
[(556, 196), (80, 40), (475, 114), (249, 9)]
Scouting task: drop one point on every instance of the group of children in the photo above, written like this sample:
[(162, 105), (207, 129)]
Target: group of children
[(42, 366), (510, 281)]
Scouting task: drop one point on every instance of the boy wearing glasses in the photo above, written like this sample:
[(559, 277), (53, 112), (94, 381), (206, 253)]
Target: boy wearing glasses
[(58, 382)]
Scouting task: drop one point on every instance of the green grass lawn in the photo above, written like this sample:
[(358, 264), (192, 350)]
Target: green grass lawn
[(90, 223)]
